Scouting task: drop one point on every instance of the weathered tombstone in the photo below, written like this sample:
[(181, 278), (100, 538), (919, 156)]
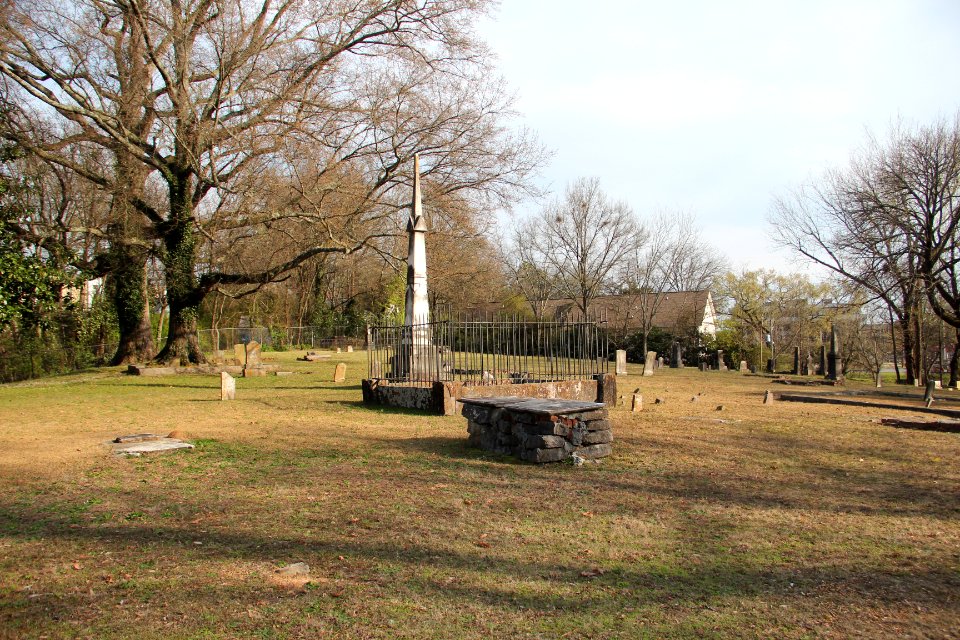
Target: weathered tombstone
[(253, 354), (637, 403), (796, 361), (349, 348), (676, 358), (744, 367), (659, 362), (228, 386), (811, 367), (721, 363), (239, 353), (823, 360), (621, 362), (704, 366), (340, 374), (339, 350), (768, 397), (771, 365), (937, 384), (649, 363)]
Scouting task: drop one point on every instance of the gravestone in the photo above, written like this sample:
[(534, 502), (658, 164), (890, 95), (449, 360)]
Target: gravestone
[(676, 358), (228, 386), (637, 403), (253, 354), (339, 350), (796, 361), (768, 397), (721, 364), (771, 365), (238, 353), (659, 362), (649, 363), (811, 367), (349, 348), (621, 362), (340, 375), (823, 360), (744, 367)]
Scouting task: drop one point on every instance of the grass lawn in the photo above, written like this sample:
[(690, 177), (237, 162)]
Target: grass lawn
[(782, 521)]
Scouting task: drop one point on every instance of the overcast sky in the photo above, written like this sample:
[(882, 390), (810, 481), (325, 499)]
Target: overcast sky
[(717, 107)]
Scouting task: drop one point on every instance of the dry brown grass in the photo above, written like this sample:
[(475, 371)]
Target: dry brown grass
[(787, 521)]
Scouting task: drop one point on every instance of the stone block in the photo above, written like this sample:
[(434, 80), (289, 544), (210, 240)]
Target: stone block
[(544, 455), (598, 437), (621, 362), (597, 414), (597, 425), (143, 370), (228, 386), (254, 372), (595, 451)]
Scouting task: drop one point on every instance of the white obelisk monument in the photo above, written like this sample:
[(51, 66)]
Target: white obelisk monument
[(417, 308)]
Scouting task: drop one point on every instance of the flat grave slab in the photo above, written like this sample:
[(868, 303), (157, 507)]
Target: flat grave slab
[(144, 443)]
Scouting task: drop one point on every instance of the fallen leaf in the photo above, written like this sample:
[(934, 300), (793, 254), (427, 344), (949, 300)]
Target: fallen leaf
[(592, 573), (76, 566)]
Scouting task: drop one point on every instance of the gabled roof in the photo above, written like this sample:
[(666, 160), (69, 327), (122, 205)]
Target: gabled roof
[(674, 308)]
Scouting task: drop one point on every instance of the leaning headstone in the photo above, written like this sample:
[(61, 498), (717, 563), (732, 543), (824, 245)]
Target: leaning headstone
[(621, 362), (649, 363), (637, 403), (253, 354), (228, 386), (349, 348), (340, 374)]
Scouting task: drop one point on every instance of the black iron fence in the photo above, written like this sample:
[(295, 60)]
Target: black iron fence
[(488, 351)]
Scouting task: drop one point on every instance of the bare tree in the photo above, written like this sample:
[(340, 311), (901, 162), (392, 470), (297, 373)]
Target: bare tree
[(674, 258), (582, 239), (230, 93)]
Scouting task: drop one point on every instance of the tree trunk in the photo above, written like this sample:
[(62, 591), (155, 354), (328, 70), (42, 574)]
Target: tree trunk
[(183, 294), (909, 347), (955, 362), (132, 304)]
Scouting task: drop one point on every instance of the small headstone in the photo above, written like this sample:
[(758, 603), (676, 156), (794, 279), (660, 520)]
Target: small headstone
[(637, 403), (254, 372), (704, 366), (228, 386), (349, 348), (659, 362), (811, 367), (719, 407), (659, 401), (340, 374), (649, 363), (238, 353), (621, 362), (937, 384), (339, 350), (768, 397), (744, 367)]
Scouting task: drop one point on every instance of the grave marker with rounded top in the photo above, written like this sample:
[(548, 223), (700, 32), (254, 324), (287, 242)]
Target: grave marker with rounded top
[(340, 374)]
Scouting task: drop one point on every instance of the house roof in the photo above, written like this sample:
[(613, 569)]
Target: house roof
[(674, 309)]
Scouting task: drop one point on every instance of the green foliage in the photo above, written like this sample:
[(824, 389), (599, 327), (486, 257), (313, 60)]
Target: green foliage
[(30, 286)]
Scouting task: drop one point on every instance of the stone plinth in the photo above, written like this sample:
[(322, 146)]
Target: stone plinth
[(539, 430)]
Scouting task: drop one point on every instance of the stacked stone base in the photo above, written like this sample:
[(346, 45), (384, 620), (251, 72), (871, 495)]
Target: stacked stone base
[(539, 431)]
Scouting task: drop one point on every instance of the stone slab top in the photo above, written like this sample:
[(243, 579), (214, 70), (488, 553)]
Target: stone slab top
[(540, 406)]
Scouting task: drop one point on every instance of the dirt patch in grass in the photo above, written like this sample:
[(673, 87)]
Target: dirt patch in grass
[(788, 521)]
